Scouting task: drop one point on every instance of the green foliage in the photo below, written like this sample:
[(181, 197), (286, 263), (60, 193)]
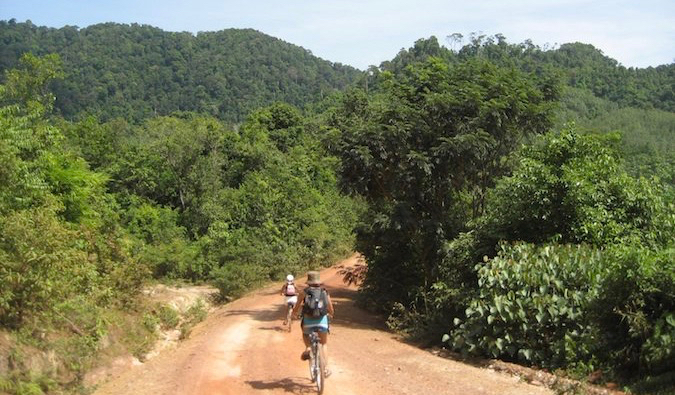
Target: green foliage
[(647, 143), (532, 306), (153, 224), (422, 151), (574, 307), (40, 264), (29, 385), (571, 187), (235, 280), (168, 317), (283, 124), (663, 384), (194, 314), (281, 210), (635, 309), (138, 71), (60, 238), (197, 312), (579, 307), (28, 85), (658, 352), (580, 65)]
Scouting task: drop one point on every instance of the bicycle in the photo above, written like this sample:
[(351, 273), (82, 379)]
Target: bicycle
[(317, 369), (289, 317)]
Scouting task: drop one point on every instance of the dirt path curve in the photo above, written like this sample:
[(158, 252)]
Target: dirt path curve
[(242, 349)]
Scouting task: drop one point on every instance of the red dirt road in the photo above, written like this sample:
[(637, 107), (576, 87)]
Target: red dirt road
[(242, 349)]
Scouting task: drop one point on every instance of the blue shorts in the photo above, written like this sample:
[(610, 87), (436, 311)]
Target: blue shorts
[(314, 324)]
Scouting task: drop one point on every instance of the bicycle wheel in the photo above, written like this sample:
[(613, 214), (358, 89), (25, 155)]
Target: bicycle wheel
[(289, 318), (320, 368), (312, 365)]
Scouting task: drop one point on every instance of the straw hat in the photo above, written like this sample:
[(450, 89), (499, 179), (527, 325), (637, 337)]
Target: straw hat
[(313, 278)]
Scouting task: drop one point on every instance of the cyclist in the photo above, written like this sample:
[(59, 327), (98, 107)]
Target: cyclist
[(289, 290), (309, 322)]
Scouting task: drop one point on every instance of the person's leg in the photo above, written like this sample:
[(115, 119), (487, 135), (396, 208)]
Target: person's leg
[(289, 309), (305, 354)]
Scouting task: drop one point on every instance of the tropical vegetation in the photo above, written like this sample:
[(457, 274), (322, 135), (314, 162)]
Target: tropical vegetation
[(510, 201)]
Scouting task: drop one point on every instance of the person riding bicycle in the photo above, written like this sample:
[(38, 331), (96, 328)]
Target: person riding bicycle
[(290, 292), (311, 321)]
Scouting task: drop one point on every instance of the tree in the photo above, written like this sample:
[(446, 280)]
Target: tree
[(29, 85), (431, 140), (572, 188)]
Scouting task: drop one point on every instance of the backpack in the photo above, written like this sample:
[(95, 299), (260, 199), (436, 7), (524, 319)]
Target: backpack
[(290, 289), (315, 303)]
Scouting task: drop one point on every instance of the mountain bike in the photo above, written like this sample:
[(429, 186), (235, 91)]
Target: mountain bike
[(317, 370)]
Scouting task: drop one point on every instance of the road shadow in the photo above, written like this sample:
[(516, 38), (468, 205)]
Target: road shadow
[(348, 314), (279, 328), (294, 385), (267, 315)]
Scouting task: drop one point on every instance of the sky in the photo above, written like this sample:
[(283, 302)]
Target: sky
[(360, 33)]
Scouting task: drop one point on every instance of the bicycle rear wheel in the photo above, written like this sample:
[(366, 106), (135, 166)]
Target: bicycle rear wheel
[(289, 318)]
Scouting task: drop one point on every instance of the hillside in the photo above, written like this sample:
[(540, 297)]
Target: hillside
[(578, 65), (135, 71), (598, 94)]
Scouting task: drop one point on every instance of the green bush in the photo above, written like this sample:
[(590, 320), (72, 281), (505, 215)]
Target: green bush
[(196, 313), (635, 311), (571, 188), (41, 264), (234, 280), (575, 307), (531, 306), (168, 316)]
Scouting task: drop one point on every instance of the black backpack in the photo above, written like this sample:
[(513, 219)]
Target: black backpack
[(315, 304)]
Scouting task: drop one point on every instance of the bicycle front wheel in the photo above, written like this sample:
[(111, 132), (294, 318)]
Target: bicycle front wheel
[(312, 365), (320, 370)]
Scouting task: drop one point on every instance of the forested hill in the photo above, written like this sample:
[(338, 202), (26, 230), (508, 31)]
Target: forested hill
[(135, 71), (580, 65)]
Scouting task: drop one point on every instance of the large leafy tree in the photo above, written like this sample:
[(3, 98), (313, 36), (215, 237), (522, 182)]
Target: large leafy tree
[(424, 148)]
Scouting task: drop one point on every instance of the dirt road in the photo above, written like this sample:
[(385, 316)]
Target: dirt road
[(242, 349)]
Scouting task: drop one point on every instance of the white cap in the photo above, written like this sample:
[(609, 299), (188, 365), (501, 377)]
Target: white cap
[(289, 277)]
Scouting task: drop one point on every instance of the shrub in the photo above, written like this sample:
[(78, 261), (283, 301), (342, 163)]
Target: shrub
[(574, 307), (40, 264), (234, 280), (168, 316), (194, 314), (531, 306), (635, 311)]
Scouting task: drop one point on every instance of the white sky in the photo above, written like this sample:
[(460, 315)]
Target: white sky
[(638, 33)]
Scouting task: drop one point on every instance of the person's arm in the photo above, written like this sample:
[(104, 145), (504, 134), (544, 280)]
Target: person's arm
[(283, 289), (298, 305)]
